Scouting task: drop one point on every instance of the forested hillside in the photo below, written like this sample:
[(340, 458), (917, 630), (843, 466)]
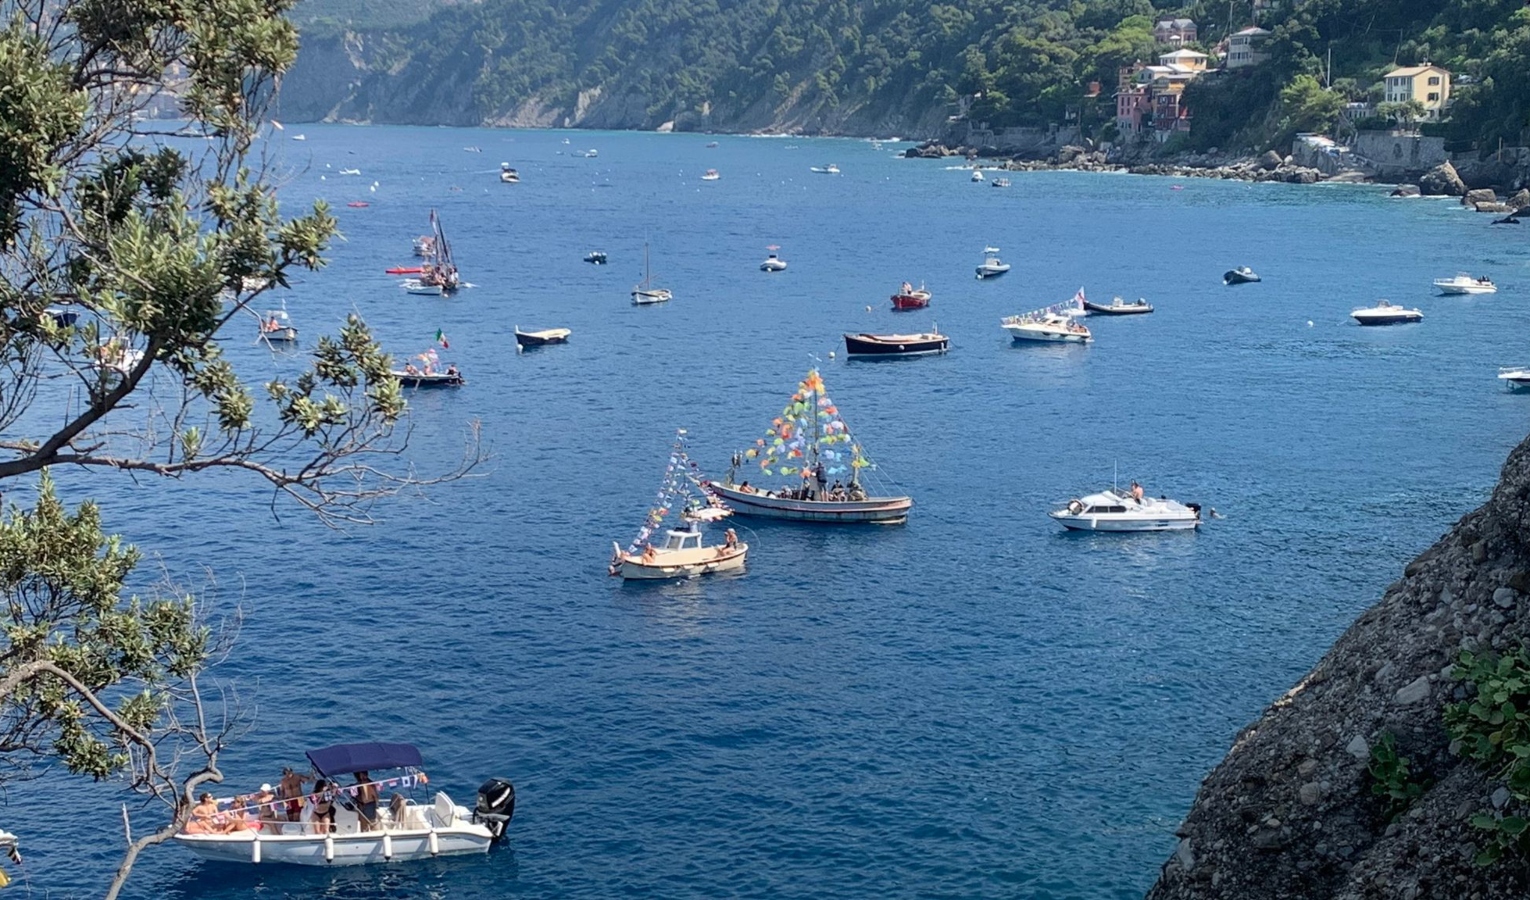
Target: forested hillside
[(880, 66)]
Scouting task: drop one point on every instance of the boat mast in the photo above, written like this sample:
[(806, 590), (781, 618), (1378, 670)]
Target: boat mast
[(813, 411)]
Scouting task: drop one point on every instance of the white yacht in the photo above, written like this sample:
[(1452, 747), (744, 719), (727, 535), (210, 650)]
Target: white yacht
[(992, 266), (508, 175), (830, 169), (977, 174), (1466, 284), (1046, 326), (1385, 312), (1113, 511), (1517, 378), (773, 263)]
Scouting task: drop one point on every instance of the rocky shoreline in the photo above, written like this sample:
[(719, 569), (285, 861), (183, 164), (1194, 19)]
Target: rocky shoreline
[(1441, 181)]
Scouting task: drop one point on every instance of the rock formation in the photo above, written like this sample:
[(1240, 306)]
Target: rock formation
[(1290, 812), (1442, 180)]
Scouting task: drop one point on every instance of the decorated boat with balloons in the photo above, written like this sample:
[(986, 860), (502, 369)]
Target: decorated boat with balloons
[(807, 446)]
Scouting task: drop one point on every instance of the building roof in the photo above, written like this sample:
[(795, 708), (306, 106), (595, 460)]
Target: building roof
[(1175, 23), (1410, 71), (1255, 31), (1184, 54)]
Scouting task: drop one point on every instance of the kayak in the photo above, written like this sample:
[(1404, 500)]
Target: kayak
[(403, 270)]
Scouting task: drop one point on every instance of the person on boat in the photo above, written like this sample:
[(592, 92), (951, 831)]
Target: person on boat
[(822, 479), (452, 370), (266, 810), (649, 554), (1136, 492), (409, 369), (322, 809), (205, 818), (746, 488), (907, 288), (291, 790), (238, 818), (366, 802), (730, 539)]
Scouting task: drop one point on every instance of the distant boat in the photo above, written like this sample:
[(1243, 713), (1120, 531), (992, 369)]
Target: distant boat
[(682, 554), (711, 144), (1516, 377), (992, 266), (472, 150), (1056, 323), (830, 169), (595, 257), (887, 346), (773, 263), (300, 137), (1112, 511), (645, 293), (541, 338), (1240, 275), (1118, 307), (62, 317), (710, 175), (1386, 312), (909, 298), (424, 245), (591, 154), (1001, 182), (350, 171), (429, 372), (403, 270), (977, 174), (1466, 284), (276, 327), (508, 175), (438, 274), (358, 204)]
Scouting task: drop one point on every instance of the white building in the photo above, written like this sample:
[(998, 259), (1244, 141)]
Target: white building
[(1243, 48)]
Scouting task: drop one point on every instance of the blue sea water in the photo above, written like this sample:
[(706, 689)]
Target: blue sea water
[(973, 705)]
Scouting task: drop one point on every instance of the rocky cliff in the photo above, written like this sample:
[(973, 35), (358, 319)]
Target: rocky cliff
[(1290, 812)]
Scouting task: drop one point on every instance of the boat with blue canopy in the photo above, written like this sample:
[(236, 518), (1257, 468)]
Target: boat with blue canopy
[(348, 824)]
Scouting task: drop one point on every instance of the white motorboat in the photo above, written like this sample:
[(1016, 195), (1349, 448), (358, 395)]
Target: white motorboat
[(1112, 511), (682, 555), (1054, 327), (425, 245), (257, 833), (276, 326), (591, 154), (416, 286), (645, 293), (977, 175), (710, 175), (992, 266), (1000, 182), (508, 175), (350, 171), (773, 263), (830, 169), (1517, 378), (1465, 284), (1386, 312)]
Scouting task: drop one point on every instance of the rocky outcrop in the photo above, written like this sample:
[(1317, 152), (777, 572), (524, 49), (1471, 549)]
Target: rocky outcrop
[(1480, 195), (1405, 190), (1290, 812), (1521, 199), (1442, 180)]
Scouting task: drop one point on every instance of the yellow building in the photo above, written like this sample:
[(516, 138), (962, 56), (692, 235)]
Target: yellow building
[(1429, 85)]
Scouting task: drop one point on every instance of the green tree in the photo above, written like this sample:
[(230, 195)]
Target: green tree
[(1306, 105), (154, 249)]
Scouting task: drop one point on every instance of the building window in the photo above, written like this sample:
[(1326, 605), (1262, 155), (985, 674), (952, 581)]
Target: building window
[(1434, 98), (1434, 80)]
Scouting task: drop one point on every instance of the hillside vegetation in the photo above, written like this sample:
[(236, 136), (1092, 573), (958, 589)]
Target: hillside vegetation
[(885, 65)]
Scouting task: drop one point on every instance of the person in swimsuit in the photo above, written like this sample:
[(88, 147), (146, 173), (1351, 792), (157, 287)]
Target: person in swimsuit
[(291, 787), (366, 802), (323, 808), (203, 816)]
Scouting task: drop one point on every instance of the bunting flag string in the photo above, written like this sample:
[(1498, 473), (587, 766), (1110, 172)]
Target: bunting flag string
[(681, 474)]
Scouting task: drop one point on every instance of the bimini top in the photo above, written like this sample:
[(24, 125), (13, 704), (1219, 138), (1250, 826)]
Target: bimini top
[(344, 759)]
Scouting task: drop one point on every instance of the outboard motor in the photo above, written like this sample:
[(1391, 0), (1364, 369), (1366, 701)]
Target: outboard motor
[(496, 805), (1195, 508)]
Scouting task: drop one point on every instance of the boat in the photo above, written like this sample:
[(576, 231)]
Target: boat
[(977, 174), (992, 266), (358, 204), (429, 373), (257, 831), (1114, 511), (645, 293), (276, 327), (1118, 307), (1466, 284), (893, 345), (403, 270), (830, 169), (1240, 275), (541, 338), (1517, 378), (1385, 312), (773, 263), (908, 298), (711, 144), (595, 257), (424, 245), (591, 154), (683, 554), (508, 175), (710, 175), (61, 316), (300, 137), (807, 446), (1000, 182), (438, 274), (1057, 323), (350, 171)]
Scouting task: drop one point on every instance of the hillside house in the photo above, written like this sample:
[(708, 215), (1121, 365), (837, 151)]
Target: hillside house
[(1245, 48), (1174, 32), (1429, 85)]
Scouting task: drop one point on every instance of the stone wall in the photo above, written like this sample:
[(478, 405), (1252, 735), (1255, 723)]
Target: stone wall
[(1395, 154)]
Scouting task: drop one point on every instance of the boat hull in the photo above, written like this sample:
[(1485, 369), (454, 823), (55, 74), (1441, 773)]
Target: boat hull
[(429, 381), (337, 849), (541, 340), (992, 271), (1020, 334), (1115, 522), (865, 345), (1236, 277), (910, 301), (871, 511), (688, 563), (648, 298), (1389, 319), (1449, 290), (281, 335)]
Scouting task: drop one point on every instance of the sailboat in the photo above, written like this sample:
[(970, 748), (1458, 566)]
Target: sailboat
[(645, 293), (438, 274), (807, 445), (684, 494)]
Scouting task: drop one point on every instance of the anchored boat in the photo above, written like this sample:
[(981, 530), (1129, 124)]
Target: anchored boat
[(541, 338), (682, 554), (645, 293), (806, 446), (429, 372), (1056, 323), (909, 298), (1386, 312), (1112, 511), (1118, 307), (992, 266), (1465, 284), (338, 825), (892, 345), (276, 327)]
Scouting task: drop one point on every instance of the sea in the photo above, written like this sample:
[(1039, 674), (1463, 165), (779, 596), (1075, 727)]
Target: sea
[(974, 704)]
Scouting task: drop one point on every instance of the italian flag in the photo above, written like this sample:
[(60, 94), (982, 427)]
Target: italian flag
[(441, 339)]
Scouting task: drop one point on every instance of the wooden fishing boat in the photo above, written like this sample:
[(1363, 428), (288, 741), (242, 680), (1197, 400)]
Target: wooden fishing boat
[(541, 338), (893, 345), (683, 553), (910, 298)]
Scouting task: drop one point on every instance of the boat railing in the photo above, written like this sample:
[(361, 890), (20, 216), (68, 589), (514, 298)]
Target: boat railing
[(275, 811)]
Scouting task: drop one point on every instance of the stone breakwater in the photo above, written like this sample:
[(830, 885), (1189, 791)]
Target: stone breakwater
[(1267, 167), (1290, 811)]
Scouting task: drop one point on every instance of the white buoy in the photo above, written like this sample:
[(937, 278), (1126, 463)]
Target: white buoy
[(831, 354), (868, 309), (1309, 323)]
